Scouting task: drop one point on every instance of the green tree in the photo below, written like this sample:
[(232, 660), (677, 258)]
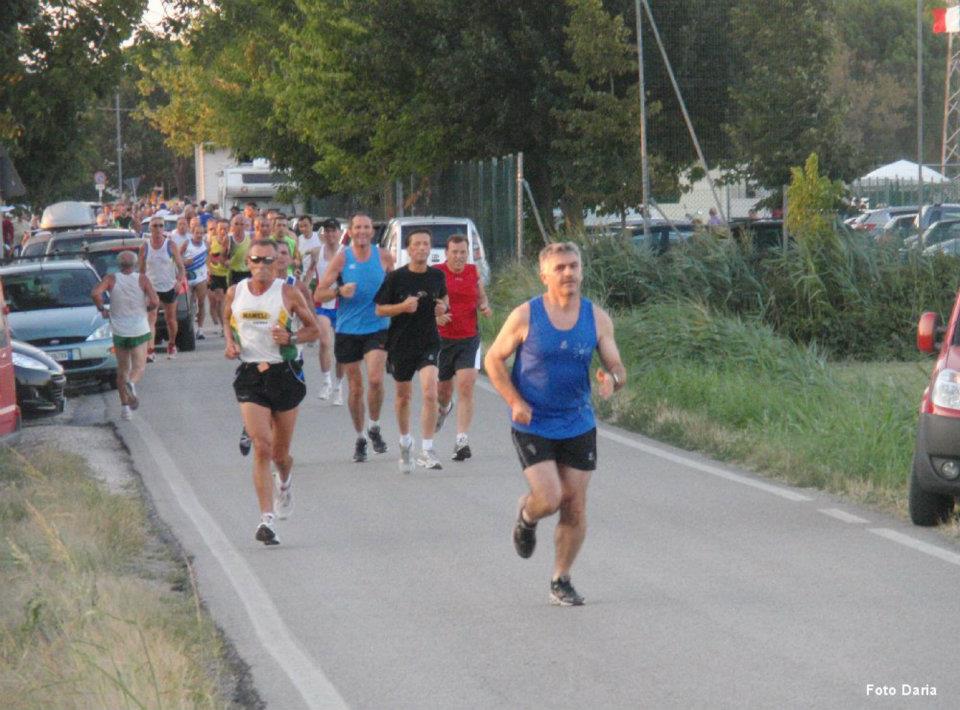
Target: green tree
[(604, 118), (68, 55), (783, 110)]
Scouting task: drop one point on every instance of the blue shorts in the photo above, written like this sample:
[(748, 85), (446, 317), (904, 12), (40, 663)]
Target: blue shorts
[(330, 313)]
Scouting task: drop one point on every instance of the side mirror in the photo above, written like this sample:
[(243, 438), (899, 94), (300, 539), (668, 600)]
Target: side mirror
[(928, 330)]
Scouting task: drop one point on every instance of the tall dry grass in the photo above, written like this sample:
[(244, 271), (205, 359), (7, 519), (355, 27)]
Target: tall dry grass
[(89, 617)]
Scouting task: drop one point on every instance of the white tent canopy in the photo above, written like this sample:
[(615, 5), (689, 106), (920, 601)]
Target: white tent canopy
[(904, 170)]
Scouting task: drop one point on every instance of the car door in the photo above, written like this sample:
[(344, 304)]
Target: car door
[(9, 412)]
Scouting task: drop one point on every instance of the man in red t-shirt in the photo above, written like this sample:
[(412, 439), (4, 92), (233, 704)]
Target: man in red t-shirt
[(460, 339)]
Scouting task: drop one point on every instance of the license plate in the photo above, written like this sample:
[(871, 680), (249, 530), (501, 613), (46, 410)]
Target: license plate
[(60, 355)]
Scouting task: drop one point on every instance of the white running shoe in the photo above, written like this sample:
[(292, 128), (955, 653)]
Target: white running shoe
[(428, 459), (282, 496), (125, 412), (325, 389), (338, 396), (132, 398), (406, 458)]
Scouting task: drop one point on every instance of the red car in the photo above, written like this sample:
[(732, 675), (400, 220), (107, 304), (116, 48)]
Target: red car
[(935, 478), (9, 411)]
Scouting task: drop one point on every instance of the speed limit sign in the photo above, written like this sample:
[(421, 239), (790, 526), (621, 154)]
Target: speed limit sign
[(99, 178)]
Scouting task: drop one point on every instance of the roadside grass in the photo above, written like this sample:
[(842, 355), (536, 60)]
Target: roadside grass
[(733, 389), (91, 615)]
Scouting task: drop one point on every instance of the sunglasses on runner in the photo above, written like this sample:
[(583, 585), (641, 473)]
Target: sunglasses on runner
[(262, 259)]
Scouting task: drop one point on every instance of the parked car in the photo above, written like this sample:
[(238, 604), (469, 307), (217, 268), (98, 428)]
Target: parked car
[(873, 220), (398, 231), (929, 214), (935, 474), (102, 255), (762, 233), (40, 380), (936, 235), (10, 422), (50, 307), (897, 229), (663, 235), (68, 244)]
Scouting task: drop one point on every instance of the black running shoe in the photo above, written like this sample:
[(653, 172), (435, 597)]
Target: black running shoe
[(360, 451), (266, 535), (461, 452), (379, 445), (245, 443), (524, 536), (562, 593)]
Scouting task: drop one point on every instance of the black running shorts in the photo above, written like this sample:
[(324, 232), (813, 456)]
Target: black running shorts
[(349, 348), (218, 282), (578, 452), (238, 276), (458, 354), (404, 369), (167, 297), (279, 388)]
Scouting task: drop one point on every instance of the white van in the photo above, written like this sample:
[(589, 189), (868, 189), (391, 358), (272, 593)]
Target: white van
[(398, 230)]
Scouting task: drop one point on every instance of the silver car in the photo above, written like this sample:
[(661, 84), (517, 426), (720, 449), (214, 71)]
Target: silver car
[(50, 308)]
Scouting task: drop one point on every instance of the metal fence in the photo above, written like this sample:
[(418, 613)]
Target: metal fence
[(482, 190), (898, 192)]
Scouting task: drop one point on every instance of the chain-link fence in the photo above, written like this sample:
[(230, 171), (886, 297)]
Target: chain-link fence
[(482, 190)]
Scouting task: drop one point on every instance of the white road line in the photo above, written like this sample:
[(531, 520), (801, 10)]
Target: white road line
[(843, 515), (685, 461), (307, 677), (924, 547)]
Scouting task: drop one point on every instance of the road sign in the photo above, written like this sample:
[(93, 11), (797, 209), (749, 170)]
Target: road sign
[(100, 178)]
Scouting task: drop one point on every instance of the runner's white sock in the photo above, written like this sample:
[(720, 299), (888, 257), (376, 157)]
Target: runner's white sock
[(267, 518), (461, 437), (326, 376), (427, 444), (406, 440), (374, 423)]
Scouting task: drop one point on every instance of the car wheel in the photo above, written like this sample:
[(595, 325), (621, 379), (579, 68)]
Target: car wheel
[(186, 336), (926, 508)]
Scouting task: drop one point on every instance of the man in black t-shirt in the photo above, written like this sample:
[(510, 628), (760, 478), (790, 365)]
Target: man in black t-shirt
[(414, 297)]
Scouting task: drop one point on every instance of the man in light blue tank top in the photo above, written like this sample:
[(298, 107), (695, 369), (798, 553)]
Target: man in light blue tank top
[(354, 276), (554, 337)]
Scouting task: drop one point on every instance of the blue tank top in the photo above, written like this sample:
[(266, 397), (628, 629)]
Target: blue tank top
[(357, 315), (551, 371)]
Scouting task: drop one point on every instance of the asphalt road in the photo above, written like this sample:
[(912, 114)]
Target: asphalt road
[(706, 586)]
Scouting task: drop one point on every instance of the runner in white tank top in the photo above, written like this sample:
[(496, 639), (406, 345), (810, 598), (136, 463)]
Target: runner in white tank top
[(132, 297), (269, 383), (162, 264), (327, 315), (194, 253)]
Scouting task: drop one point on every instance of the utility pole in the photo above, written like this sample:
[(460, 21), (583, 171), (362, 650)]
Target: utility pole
[(920, 103), (119, 146), (644, 162)]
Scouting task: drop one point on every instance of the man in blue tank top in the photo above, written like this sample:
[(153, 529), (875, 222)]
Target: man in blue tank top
[(354, 276), (554, 429)]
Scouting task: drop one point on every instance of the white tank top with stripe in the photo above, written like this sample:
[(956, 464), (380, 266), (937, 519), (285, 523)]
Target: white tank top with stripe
[(252, 319)]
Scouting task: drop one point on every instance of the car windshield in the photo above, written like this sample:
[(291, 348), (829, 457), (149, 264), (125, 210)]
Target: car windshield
[(441, 232), (105, 262), (36, 290)]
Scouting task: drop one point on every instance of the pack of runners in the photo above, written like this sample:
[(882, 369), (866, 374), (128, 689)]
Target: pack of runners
[(272, 291)]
